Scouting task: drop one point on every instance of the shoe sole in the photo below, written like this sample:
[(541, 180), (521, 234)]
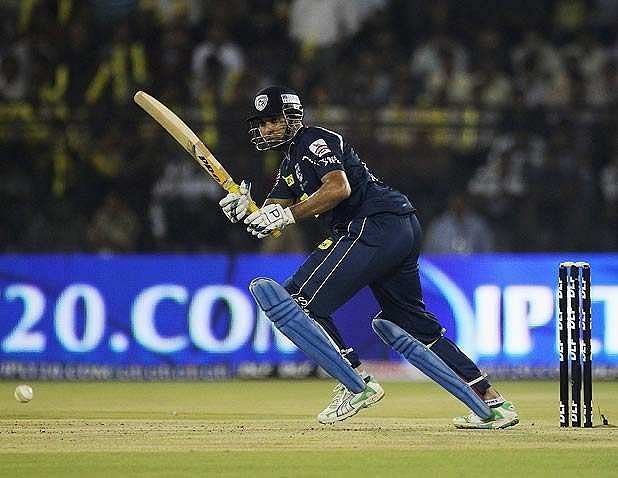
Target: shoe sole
[(507, 424), (372, 401)]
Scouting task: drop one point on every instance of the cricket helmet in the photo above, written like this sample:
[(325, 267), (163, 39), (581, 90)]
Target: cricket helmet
[(272, 102)]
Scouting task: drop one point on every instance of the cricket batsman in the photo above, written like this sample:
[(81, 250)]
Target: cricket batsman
[(374, 241)]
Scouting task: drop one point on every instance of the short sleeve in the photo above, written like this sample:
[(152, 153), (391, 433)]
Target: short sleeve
[(326, 155)]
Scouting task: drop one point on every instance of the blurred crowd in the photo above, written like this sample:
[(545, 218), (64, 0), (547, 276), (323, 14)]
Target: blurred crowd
[(498, 119)]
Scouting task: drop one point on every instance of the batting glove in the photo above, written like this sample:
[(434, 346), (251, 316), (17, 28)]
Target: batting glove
[(264, 221), (236, 205)]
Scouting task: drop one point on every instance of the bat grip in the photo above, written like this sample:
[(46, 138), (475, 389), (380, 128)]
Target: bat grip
[(232, 188)]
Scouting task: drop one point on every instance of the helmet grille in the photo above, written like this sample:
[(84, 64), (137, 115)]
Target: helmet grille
[(293, 115)]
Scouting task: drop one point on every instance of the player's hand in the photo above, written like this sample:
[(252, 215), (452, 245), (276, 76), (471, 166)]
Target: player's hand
[(264, 221), (236, 205)]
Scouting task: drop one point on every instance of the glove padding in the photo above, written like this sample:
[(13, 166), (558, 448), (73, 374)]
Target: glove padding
[(236, 205), (264, 221)]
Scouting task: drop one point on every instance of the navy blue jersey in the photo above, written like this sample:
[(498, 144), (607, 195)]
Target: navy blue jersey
[(315, 152)]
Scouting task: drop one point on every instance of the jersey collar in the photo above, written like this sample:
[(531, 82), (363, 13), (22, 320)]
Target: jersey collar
[(295, 139)]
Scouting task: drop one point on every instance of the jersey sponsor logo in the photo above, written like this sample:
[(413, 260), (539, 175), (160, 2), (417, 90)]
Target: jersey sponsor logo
[(326, 244), (299, 174), (319, 148), (329, 160), (289, 180), (260, 102), (311, 160), (288, 98)]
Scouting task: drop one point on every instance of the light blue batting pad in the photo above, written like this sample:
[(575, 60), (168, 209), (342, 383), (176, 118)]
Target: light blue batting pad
[(424, 359), (292, 321)]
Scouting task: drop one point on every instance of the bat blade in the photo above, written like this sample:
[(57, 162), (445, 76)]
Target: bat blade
[(185, 136)]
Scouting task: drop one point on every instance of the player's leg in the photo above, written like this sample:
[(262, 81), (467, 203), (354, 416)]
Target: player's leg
[(419, 337), (295, 324), (330, 329), (345, 403), (328, 279)]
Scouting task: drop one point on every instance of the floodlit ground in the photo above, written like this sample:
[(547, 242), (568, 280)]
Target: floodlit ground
[(260, 429)]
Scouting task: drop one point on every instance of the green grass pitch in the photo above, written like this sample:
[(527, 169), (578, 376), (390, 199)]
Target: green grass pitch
[(268, 428)]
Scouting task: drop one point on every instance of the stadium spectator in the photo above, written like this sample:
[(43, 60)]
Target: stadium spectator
[(509, 157), (217, 63), (173, 62), (448, 85), (180, 197), (458, 230), (491, 87), (122, 67), (609, 188), (551, 184), (501, 184), (114, 226), (13, 78), (323, 23), (427, 58), (602, 89), (537, 68)]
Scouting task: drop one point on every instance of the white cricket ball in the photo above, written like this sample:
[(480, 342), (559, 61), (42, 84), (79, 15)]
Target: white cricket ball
[(23, 393)]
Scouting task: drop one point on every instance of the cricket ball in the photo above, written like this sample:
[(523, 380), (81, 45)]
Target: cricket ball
[(23, 393)]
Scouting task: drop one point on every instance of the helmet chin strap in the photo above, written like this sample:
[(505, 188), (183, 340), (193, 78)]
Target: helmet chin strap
[(292, 128), (294, 131)]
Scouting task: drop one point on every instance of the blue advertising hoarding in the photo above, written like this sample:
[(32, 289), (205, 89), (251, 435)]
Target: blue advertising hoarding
[(119, 315)]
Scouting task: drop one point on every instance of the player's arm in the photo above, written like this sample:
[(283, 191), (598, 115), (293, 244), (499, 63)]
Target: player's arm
[(278, 213), (282, 202), (334, 189)]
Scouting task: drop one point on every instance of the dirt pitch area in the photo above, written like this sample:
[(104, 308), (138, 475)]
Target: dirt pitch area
[(265, 429)]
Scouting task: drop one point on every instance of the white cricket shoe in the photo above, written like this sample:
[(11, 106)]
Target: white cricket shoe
[(345, 403), (503, 416)]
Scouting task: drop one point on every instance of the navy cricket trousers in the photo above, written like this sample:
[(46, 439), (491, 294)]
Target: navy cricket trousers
[(381, 252)]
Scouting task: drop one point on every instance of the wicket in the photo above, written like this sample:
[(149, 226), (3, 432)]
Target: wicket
[(574, 320)]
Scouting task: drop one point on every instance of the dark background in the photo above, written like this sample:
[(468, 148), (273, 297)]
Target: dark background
[(501, 114)]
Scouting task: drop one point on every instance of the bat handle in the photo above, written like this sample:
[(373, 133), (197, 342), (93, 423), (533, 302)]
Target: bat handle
[(232, 187)]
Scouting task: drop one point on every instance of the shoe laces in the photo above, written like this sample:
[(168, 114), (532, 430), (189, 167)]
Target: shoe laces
[(338, 394), (473, 416)]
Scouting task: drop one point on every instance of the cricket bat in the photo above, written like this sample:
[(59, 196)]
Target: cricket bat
[(191, 143)]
